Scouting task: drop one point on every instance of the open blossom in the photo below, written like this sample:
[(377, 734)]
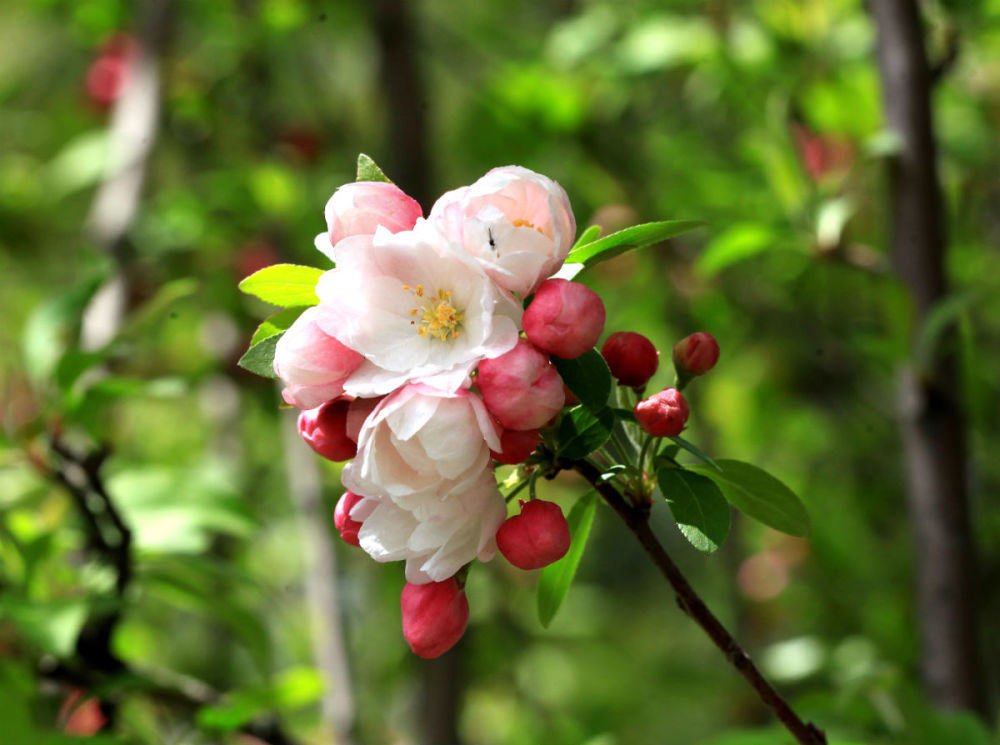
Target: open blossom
[(312, 364), (417, 307), (517, 223), (430, 494), (359, 208)]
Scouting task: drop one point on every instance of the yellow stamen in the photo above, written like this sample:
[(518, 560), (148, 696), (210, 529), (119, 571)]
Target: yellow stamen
[(521, 223)]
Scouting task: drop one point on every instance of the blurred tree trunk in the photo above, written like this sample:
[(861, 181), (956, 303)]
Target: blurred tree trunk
[(933, 426), (409, 164), (400, 70)]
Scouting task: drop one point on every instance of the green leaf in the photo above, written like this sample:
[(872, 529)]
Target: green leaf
[(368, 170), (587, 236), (152, 313), (287, 285), (637, 236), (626, 415), (582, 431), (555, 579), (696, 452), (699, 508), (588, 377), (259, 359), (759, 495), (276, 324), (740, 242)]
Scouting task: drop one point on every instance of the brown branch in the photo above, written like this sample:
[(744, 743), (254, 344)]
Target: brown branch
[(636, 517)]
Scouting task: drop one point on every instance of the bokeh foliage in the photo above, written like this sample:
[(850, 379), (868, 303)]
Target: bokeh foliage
[(760, 118)]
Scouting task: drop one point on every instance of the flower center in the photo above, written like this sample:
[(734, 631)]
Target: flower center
[(435, 315), (522, 223)]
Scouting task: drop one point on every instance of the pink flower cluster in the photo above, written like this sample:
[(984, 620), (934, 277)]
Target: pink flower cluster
[(422, 365)]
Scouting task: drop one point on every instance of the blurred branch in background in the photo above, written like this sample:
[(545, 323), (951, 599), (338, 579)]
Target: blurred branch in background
[(933, 423), (133, 129), (321, 582)]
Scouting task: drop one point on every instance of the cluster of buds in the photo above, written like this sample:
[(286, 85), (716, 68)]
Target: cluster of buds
[(432, 357)]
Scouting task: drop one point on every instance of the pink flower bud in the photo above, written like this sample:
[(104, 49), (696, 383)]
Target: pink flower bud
[(434, 616), (325, 429), (663, 414), (696, 354), (521, 388), (536, 537), (632, 358), (312, 365), (342, 517), (516, 446), (358, 208), (564, 318)]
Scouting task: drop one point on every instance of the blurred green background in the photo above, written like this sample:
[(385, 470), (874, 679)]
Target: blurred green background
[(761, 118)]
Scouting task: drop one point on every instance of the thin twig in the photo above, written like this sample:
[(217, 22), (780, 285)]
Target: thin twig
[(636, 517)]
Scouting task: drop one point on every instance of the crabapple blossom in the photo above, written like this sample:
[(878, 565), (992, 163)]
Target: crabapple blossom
[(342, 520), (423, 466), (517, 223), (663, 414), (564, 318), (360, 207), (521, 388), (434, 616), (312, 364), (418, 308), (325, 430), (516, 446), (536, 537), (631, 357), (696, 354)]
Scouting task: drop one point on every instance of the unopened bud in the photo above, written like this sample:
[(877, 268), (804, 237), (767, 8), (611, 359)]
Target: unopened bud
[(632, 358), (564, 318), (325, 429), (516, 446), (434, 616), (663, 414), (521, 388), (696, 354), (342, 521), (535, 538)]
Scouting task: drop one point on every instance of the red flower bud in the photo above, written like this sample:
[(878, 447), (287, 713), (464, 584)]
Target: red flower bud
[(564, 318), (696, 354), (516, 446), (663, 414), (342, 517), (632, 358), (521, 388), (325, 429), (536, 537), (434, 616)]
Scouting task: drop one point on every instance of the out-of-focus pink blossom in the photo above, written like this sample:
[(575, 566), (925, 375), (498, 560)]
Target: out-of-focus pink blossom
[(696, 354)]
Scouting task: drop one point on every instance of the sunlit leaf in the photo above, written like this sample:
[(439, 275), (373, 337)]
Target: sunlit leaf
[(368, 170), (276, 324), (287, 285), (636, 236)]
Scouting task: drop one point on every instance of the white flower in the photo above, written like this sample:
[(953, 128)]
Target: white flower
[(417, 307), (517, 223), (423, 466)]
